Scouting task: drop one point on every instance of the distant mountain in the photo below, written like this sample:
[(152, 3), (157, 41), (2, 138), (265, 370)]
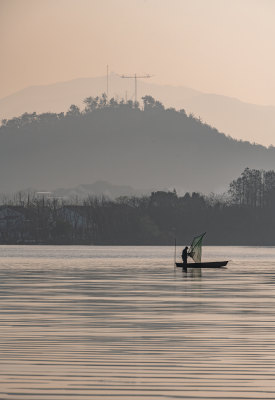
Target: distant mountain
[(83, 191), (235, 118), (99, 188), (154, 148)]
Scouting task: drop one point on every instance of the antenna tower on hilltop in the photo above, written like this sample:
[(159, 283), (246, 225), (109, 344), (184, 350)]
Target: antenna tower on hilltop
[(107, 78), (136, 77)]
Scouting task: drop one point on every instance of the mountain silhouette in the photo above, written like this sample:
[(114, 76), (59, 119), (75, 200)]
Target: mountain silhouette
[(238, 119), (152, 148)]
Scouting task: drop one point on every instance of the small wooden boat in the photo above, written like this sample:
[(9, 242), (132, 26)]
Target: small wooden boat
[(195, 253), (210, 264)]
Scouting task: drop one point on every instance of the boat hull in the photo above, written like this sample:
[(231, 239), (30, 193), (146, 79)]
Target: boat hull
[(211, 264)]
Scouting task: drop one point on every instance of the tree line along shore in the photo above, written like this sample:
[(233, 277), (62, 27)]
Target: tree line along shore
[(244, 215)]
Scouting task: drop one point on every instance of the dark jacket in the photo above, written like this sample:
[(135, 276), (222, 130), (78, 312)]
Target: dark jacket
[(184, 255)]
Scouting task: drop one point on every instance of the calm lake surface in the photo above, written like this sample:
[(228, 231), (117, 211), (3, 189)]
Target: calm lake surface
[(121, 323)]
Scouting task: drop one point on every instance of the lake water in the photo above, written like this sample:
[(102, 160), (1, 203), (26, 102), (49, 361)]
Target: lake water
[(121, 323)]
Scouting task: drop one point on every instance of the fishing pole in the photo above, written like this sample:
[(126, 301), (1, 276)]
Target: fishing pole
[(175, 253)]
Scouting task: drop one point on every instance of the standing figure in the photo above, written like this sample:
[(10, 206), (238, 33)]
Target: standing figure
[(184, 255)]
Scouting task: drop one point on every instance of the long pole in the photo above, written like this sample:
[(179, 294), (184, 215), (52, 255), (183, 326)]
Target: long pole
[(175, 253), (135, 88)]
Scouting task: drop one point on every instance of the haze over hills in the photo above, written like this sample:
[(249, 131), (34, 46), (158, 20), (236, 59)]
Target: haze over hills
[(80, 192), (154, 148), (240, 120), (99, 188)]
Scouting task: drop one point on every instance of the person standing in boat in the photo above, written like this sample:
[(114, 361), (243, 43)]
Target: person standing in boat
[(184, 255)]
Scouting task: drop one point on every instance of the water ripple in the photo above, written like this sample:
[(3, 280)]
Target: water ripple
[(121, 323)]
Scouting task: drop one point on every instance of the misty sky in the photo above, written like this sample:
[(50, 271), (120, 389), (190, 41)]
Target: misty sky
[(218, 46)]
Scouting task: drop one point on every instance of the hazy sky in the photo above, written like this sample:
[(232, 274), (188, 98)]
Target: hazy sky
[(219, 46)]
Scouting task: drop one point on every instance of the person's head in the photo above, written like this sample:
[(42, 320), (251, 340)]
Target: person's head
[(186, 247)]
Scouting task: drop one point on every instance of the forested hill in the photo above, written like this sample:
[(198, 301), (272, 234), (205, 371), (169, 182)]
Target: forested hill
[(121, 143), (239, 119)]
